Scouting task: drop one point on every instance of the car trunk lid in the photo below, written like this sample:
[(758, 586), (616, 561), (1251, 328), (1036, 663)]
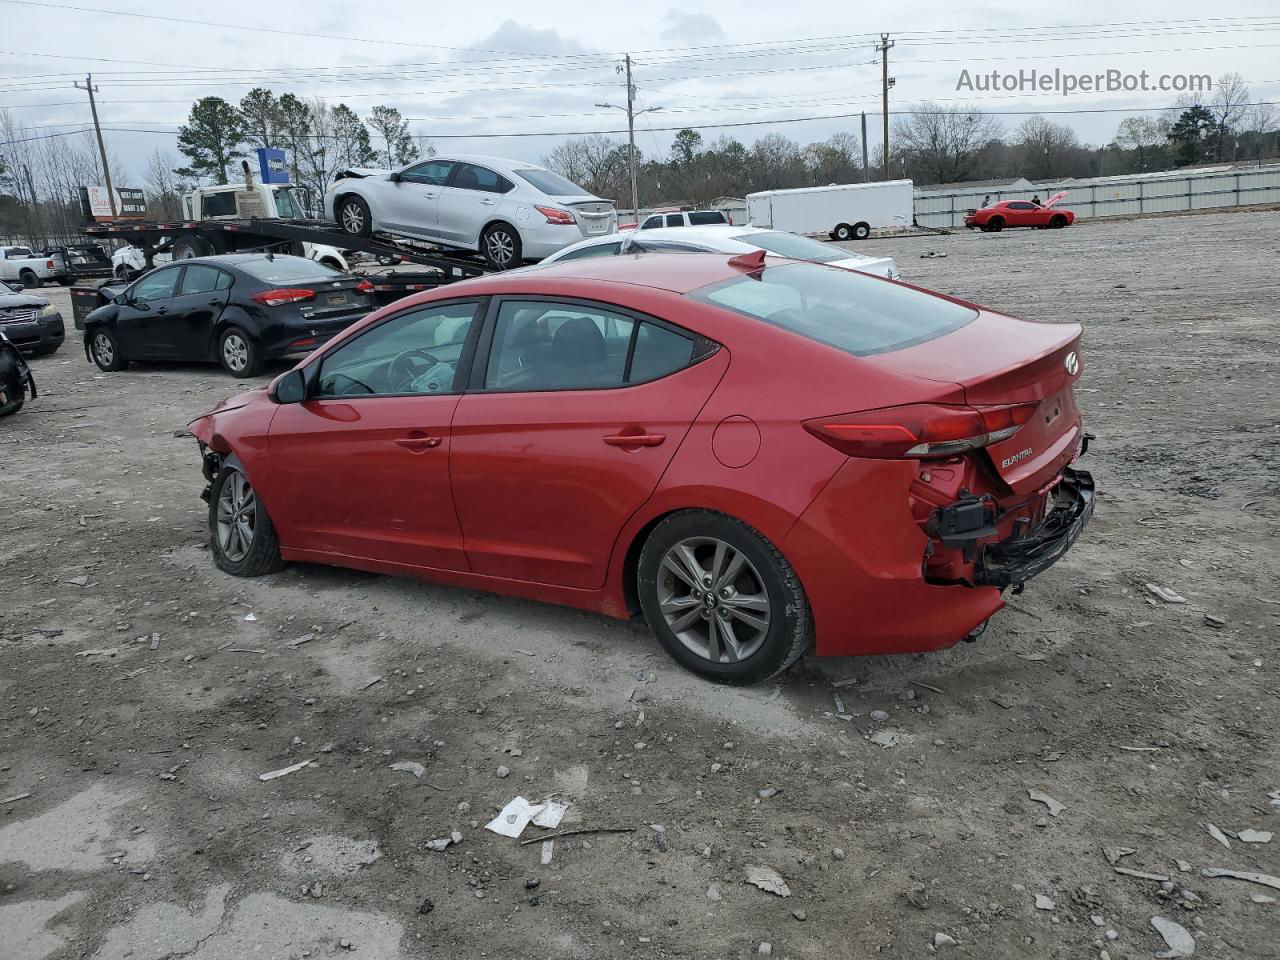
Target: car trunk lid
[(595, 217), (1001, 361)]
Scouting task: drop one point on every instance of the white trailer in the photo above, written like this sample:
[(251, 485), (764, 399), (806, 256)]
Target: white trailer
[(842, 211)]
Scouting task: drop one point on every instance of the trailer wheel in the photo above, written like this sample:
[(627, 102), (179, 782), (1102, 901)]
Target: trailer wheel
[(30, 279), (842, 232), (189, 247), (354, 217), (861, 231)]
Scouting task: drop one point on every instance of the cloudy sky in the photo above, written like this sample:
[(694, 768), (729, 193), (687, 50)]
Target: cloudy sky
[(540, 69)]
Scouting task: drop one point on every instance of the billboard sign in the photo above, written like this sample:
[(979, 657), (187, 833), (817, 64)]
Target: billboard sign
[(271, 165), (95, 203)]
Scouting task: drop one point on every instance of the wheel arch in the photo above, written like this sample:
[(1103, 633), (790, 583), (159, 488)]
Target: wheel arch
[(232, 315)]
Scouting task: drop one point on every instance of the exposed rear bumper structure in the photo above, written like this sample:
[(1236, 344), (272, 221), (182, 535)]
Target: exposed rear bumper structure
[(1012, 562)]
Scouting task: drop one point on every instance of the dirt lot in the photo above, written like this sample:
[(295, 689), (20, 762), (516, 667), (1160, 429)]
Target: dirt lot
[(148, 834)]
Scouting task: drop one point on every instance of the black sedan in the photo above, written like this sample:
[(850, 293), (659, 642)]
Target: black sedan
[(239, 309), (31, 323)]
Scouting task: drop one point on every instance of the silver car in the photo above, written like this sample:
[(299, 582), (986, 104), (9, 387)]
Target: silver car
[(508, 210)]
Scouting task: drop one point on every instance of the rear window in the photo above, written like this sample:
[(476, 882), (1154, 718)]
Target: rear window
[(700, 218), (288, 270), (793, 246), (552, 184), (850, 311)]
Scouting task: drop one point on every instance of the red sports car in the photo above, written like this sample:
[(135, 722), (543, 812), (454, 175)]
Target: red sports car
[(752, 456), (1021, 213)]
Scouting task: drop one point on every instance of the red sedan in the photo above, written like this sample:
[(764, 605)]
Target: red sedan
[(1021, 213), (752, 456)]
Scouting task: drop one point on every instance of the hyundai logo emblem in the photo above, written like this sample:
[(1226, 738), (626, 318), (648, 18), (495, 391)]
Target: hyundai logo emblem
[(1072, 363)]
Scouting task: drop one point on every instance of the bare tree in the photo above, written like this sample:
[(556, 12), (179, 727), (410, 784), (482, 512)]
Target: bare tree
[(19, 176), (944, 142), (1146, 136), (1230, 95), (164, 188), (596, 163), (1046, 148), (835, 160)]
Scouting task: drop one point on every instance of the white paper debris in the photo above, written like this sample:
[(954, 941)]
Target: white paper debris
[(1181, 943), (285, 771), (1054, 806), (768, 880), (409, 766), (250, 617), (548, 850), (513, 818), (550, 815)]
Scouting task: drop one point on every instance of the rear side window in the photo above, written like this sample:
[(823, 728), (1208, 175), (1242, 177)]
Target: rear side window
[(289, 270), (658, 352), (471, 177), (675, 220), (700, 218), (844, 309), (203, 279), (594, 250)]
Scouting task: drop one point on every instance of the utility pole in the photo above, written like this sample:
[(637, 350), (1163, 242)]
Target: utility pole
[(632, 113), (866, 167), (885, 83), (102, 148)]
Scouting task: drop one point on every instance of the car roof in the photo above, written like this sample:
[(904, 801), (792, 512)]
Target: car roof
[(487, 160), (238, 259), (676, 272)]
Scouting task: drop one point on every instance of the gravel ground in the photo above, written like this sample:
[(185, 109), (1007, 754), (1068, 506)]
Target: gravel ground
[(142, 693)]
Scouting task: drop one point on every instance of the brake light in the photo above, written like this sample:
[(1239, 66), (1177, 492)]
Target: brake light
[(364, 286), (48, 264), (277, 298), (556, 215), (920, 430)]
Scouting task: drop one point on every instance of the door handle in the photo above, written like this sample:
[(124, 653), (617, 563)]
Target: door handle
[(487, 202), (429, 196), (418, 444), (215, 303), (161, 311), (635, 439)]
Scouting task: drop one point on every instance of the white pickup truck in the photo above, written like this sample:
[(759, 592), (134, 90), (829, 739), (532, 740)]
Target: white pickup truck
[(23, 265)]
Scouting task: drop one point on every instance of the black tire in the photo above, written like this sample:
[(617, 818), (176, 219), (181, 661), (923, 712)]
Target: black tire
[(8, 409), (861, 231), (125, 272), (501, 246), (842, 232), (353, 216), (106, 352), (30, 279), (1057, 221), (189, 246), (995, 224), (239, 354), (766, 570), (263, 553)]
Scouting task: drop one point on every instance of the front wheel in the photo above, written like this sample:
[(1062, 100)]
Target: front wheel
[(242, 537), (1058, 222), (106, 352), (354, 217), (239, 353), (721, 599), (501, 246)]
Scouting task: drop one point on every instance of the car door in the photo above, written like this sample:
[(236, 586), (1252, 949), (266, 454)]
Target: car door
[(361, 468), (469, 201), (141, 319), (410, 203), (1022, 214), (573, 413), (193, 312)]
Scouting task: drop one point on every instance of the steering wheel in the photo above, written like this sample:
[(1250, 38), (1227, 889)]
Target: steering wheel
[(408, 366)]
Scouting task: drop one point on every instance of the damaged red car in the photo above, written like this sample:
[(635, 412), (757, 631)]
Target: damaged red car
[(755, 455)]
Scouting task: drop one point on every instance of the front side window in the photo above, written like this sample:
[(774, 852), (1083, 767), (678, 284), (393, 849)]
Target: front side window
[(434, 172), (415, 353), (651, 223), (203, 279), (221, 204), (844, 309), (155, 286), (18, 253), (472, 177), (594, 250)]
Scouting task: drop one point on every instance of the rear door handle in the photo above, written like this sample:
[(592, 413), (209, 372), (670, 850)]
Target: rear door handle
[(215, 303), (420, 444), (635, 439), (429, 196), (487, 202)]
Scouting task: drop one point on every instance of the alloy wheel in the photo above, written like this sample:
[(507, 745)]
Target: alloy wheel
[(103, 351), (237, 517), (500, 247), (352, 218), (235, 352), (713, 599)]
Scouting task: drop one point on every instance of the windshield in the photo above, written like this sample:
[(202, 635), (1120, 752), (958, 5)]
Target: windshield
[(795, 247), (552, 184), (850, 311), (288, 270)]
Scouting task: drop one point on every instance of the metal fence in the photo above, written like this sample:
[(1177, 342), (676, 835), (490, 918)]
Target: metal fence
[(1118, 197)]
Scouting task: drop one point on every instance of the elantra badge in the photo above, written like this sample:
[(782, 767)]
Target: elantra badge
[(1073, 363)]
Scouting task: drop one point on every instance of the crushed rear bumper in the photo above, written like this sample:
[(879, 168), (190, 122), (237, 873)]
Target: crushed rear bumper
[(1012, 562)]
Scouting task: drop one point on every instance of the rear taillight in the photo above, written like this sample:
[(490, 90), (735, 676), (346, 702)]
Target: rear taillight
[(556, 215), (278, 298), (920, 430), (48, 264), (364, 286)]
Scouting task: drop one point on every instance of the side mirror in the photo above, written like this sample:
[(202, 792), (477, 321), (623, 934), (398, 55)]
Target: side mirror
[(291, 388), (393, 176), (17, 287), (120, 299)]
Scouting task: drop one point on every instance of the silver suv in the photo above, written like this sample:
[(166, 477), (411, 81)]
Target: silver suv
[(508, 210)]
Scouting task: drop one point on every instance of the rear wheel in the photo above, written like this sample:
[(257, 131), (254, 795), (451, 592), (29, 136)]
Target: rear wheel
[(861, 231), (242, 537), (501, 246), (30, 279), (995, 224), (842, 232), (239, 353), (354, 217), (721, 599), (106, 352)]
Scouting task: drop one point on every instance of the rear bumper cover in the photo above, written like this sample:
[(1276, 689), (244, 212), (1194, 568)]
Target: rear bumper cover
[(1015, 561)]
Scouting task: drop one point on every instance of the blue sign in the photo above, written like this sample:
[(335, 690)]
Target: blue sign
[(271, 165)]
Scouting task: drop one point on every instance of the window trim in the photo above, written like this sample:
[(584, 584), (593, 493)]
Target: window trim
[(701, 347), (461, 375)]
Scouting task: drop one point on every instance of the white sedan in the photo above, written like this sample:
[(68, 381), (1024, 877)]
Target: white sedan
[(726, 239)]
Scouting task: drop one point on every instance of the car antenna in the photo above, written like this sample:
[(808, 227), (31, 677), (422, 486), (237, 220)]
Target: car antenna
[(750, 262)]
